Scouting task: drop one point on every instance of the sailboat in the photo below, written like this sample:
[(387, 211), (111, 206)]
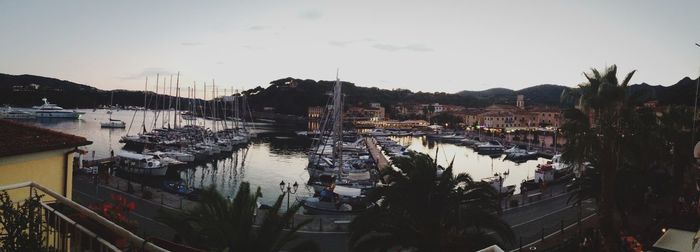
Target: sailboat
[(112, 123), (344, 193)]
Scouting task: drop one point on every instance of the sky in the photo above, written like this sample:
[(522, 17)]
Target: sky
[(444, 46)]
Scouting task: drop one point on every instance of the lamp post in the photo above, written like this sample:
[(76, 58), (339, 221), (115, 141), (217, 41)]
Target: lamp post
[(291, 189)]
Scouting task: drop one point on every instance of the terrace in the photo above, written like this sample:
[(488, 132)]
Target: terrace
[(41, 219)]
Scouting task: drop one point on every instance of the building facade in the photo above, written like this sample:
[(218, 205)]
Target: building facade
[(32, 154)]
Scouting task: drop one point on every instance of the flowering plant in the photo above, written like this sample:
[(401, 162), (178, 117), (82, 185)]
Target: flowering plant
[(117, 211)]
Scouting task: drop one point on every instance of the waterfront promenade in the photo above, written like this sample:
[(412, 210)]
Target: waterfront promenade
[(530, 221)]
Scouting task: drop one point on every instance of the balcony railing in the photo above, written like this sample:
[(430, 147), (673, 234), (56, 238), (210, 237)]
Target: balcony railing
[(85, 230)]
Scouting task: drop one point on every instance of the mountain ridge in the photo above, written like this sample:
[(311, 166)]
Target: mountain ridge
[(293, 96)]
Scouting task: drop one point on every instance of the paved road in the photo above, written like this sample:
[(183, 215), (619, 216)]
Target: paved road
[(528, 222)]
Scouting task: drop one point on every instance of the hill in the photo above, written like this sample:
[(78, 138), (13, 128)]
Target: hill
[(28, 90), (680, 93), (294, 96)]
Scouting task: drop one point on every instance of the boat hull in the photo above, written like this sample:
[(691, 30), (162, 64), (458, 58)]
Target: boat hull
[(67, 115), (158, 171)]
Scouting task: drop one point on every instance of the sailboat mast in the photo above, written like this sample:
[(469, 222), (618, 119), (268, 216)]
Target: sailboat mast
[(223, 107), (204, 113), (155, 103), (177, 99), (338, 125), (111, 100), (213, 104), (170, 98), (145, 89), (237, 115)]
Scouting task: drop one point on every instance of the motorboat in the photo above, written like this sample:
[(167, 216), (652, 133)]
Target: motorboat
[(418, 133), (452, 138), (496, 182), (558, 164), (180, 156), (516, 149), (337, 200), (141, 164), (49, 110), (520, 154), (188, 116), (546, 174), (113, 124), (491, 147)]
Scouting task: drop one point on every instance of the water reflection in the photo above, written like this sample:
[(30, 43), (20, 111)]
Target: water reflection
[(277, 154), (468, 160)]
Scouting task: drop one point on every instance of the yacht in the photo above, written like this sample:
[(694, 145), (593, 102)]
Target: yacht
[(141, 164), (491, 147), (48, 110)]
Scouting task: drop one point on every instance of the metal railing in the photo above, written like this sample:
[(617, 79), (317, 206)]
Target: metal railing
[(61, 233), (566, 228)]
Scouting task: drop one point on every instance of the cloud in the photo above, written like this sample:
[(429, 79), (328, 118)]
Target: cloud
[(342, 43), (252, 47), (191, 43), (410, 47), (258, 27), (149, 72), (311, 14)]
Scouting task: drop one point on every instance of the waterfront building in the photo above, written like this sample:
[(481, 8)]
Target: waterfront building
[(392, 124), (472, 117), (42, 156), (314, 118), (503, 116), (373, 112)]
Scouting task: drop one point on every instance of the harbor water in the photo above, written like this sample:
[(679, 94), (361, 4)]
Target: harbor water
[(276, 154)]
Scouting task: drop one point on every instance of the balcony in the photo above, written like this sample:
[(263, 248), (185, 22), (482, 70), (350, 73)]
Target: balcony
[(55, 223)]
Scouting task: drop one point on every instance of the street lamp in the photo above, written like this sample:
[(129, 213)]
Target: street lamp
[(291, 189)]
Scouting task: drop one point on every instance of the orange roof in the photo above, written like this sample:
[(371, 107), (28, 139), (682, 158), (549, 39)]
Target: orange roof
[(17, 138)]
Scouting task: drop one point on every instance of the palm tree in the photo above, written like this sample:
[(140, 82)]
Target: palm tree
[(220, 224), (604, 100), (427, 208)]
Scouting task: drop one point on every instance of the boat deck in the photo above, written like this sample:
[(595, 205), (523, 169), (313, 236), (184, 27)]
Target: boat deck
[(379, 158)]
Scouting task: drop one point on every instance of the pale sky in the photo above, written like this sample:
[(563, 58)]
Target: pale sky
[(419, 45)]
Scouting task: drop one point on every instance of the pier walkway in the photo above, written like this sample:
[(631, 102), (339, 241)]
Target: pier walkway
[(379, 158)]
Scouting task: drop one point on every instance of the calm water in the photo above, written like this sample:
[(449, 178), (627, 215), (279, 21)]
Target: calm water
[(467, 160), (277, 154)]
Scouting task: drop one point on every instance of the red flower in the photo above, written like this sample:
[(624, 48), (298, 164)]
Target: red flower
[(106, 208), (131, 206)]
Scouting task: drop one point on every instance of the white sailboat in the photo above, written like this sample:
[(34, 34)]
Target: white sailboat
[(112, 123), (342, 195)]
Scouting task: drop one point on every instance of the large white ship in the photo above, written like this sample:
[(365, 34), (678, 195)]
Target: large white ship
[(48, 110)]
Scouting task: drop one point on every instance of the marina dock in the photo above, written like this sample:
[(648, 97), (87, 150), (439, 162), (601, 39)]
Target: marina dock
[(98, 162), (379, 158)]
